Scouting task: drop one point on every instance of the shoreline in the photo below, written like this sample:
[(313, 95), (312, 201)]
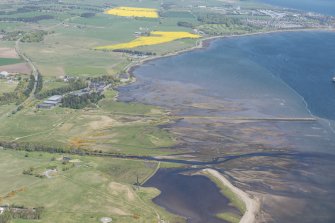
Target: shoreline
[(252, 205), (205, 42)]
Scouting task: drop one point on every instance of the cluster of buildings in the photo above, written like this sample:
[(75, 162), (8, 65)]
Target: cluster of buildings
[(51, 102), (98, 87)]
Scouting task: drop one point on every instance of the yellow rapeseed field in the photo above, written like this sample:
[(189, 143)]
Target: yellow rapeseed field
[(156, 37), (133, 12)]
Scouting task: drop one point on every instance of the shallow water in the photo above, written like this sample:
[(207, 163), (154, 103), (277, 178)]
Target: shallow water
[(194, 197), (227, 96)]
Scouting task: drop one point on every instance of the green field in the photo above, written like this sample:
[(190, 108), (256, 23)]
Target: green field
[(112, 127), (7, 86), (60, 37), (82, 191), (8, 61)]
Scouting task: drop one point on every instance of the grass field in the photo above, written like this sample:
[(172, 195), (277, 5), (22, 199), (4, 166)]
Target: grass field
[(8, 61), (69, 50), (85, 191), (6, 86), (113, 127)]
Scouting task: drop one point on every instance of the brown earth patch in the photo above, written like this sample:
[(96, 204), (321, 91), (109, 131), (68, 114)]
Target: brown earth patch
[(22, 68), (8, 53)]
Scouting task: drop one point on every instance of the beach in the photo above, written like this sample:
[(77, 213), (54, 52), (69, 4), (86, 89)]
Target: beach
[(252, 204)]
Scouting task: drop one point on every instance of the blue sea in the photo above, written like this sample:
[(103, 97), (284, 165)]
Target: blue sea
[(292, 72), (279, 75)]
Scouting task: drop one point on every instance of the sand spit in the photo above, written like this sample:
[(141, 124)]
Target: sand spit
[(252, 205)]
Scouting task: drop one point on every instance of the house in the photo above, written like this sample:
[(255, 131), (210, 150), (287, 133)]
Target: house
[(55, 98), (2, 210), (45, 106), (51, 102), (4, 74)]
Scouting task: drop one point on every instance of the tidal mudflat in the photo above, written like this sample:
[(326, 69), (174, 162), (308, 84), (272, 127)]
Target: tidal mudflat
[(267, 95)]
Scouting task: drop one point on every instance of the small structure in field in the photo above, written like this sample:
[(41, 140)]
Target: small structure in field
[(106, 220), (50, 173), (66, 158), (2, 210), (51, 102), (4, 74)]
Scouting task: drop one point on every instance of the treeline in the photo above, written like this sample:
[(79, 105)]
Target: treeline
[(105, 78), (87, 14), (29, 147), (23, 9), (27, 19), (31, 37), (20, 212), (73, 85), (30, 172), (185, 24), (34, 37), (135, 52), (39, 84), (30, 86), (81, 101), (216, 18), (8, 97), (11, 36), (21, 92)]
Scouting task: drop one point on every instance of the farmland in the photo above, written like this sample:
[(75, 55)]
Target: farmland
[(8, 61), (90, 41), (133, 12), (153, 39)]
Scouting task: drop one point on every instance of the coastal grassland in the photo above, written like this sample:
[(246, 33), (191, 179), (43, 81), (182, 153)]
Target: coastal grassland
[(133, 12), (8, 61), (156, 37), (81, 191), (112, 127)]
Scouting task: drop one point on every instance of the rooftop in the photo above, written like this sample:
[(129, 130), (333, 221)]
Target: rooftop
[(55, 98)]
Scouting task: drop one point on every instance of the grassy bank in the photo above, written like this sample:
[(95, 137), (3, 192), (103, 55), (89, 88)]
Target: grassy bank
[(233, 198)]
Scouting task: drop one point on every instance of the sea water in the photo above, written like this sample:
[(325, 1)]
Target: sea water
[(270, 76)]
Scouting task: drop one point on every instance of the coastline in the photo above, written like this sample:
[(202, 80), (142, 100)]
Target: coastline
[(204, 42), (252, 205)]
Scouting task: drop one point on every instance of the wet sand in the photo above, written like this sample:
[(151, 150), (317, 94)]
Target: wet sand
[(291, 170)]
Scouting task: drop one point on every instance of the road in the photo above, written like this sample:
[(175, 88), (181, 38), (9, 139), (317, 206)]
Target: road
[(34, 72)]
